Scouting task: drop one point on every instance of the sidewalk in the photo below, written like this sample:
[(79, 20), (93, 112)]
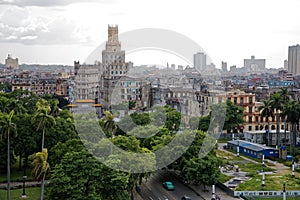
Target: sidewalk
[(18, 185), (207, 194)]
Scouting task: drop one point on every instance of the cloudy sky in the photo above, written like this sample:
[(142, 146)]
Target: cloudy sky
[(61, 31)]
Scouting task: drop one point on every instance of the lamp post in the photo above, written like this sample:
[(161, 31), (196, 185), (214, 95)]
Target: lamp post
[(24, 194), (263, 160), (284, 192), (277, 128), (293, 169), (213, 190), (263, 178), (238, 148)]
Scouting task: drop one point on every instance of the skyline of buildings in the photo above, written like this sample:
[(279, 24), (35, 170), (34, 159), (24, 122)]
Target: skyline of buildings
[(200, 60)]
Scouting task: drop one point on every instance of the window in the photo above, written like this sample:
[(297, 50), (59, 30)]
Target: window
[(250, 99), (249, 128), (235, 100), (250, 109), (250, 119)]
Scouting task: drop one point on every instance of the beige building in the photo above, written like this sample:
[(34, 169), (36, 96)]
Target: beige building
[(11, 63), (113, 67)]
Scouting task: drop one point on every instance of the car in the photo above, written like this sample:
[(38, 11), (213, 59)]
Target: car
[(168, 185), (186, 198)]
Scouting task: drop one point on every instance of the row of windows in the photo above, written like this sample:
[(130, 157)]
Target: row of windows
[(241, 100), (273, 127)]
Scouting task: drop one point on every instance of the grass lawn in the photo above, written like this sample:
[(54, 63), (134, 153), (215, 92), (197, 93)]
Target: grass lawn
[(32, 194), (272, 182), (224, 178), (244, 165)]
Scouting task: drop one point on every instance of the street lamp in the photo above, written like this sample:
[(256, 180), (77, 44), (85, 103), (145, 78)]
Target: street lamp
[(238, 148), (263, 178), (293, 169), (213, 190), (284, 192), (24, 194), (263, 160)]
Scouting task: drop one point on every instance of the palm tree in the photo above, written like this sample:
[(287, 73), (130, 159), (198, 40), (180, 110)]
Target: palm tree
[(267, 111), (8, 128), (292, 110), (41, 167), (276, 104), (42, 113), (109, 126), (285, 95)]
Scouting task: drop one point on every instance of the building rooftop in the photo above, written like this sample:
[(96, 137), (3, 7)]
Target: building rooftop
[(250, 145)]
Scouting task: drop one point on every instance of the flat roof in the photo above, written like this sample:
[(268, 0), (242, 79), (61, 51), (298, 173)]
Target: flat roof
[(250, 145), (263, 131)]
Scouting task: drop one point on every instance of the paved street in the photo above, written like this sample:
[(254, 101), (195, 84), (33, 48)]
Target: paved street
[(153, 190)]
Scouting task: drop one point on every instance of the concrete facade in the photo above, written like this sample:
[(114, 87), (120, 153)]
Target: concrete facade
[(294, 59)]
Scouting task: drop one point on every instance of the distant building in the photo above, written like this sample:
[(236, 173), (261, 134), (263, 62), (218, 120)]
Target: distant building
[(86, 82), (286, 65), (232, 68), (294, 60), (199, 61), (224, 66), (11, 63), (255, 64)]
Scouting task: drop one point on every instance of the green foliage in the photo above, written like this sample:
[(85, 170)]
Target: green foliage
[(234, 116), (93, 181)]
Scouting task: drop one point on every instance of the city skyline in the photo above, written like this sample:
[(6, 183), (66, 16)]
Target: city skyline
[(59, 32)]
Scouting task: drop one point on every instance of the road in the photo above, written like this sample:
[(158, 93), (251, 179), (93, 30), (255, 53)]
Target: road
[(153, 189)]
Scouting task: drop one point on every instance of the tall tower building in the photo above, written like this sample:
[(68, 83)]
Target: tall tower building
[(114, 66), (199, 61), (294, 60), (224, 66)]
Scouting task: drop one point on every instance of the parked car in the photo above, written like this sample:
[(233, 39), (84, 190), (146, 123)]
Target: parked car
[(168, 185), (186, 198)]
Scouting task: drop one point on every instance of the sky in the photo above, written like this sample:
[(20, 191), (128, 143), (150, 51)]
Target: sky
[(62, 31)]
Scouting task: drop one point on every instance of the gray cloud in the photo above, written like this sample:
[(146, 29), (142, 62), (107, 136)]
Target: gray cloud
[(18, 26), (48, 3)]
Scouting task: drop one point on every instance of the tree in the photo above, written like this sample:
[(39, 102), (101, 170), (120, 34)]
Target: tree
[(285, 95), (201, 171), (267, 111), (94, 180), (41, 168), (292, 110), (8, 128), (109, 126), (234, 116), (42, 114), (26, 142), (276, 104)]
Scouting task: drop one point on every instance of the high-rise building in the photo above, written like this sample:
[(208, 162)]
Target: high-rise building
[(294, 60), (113, 65), (199, 61), (286, 65), (11, 63), (224, 66), (255, 64)]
